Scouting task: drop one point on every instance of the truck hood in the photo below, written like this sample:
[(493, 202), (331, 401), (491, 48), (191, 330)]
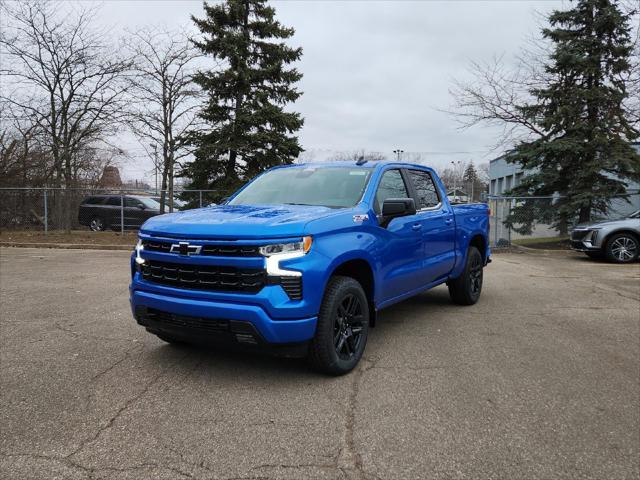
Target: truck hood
[(236, 221)]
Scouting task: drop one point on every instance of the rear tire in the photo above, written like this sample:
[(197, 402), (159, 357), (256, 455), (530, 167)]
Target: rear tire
[(97, 224), (343, 327), (622, 248), (466, 289)]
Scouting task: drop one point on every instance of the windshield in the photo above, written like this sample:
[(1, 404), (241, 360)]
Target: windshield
[(333, 187)]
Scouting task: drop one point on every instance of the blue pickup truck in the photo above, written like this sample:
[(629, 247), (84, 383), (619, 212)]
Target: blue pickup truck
[(302, 258)]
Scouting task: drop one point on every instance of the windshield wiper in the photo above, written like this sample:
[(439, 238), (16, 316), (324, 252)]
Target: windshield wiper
[(304, 204)]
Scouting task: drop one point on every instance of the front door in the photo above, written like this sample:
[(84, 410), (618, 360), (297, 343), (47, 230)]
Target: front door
[(401, 252)]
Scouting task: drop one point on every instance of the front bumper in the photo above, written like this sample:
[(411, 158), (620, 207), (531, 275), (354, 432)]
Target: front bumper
[(218, 320), (583, 247), (584, 240)]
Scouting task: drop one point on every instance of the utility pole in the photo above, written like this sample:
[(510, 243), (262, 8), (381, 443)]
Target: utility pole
[(398, 153)]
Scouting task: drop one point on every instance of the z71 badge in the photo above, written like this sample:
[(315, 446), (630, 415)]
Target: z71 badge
[(360, 218)]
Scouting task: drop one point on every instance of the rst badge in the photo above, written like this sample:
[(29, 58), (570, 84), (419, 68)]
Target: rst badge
[(360, 218)]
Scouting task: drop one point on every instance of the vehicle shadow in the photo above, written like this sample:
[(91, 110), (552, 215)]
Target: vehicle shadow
[(394, 321)]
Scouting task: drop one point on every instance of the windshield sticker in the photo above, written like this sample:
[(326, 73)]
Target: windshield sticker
[(357, 172), (360, 218)]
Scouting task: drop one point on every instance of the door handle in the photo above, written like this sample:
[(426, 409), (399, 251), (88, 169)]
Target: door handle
[(448, 221), (416, 226)]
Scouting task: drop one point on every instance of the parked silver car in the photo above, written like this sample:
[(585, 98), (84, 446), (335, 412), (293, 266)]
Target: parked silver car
[(617, 240)]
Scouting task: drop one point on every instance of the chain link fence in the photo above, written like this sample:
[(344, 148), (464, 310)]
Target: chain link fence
[(532, 221), (49, 209), (514, 220)]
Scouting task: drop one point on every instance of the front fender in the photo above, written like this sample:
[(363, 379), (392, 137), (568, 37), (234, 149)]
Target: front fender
[(328, 253)]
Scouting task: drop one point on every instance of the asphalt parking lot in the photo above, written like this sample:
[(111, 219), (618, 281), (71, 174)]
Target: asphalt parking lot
[(541, 379)]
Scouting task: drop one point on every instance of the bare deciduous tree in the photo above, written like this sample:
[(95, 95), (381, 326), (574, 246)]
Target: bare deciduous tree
[(60, 70), (163, 106)]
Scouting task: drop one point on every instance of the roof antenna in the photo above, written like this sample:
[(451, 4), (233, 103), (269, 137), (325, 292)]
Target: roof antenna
[(361, 160)]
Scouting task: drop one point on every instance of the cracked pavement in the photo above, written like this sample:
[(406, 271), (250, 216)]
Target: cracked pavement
[(541, 379)]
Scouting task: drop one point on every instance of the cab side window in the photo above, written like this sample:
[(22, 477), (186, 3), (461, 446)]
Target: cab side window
[(426, 190), (391, 186), (132, 202)]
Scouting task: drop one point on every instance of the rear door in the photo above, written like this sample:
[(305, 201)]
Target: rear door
[(112, 211), (437, 226), (401, 252), (134, 212)]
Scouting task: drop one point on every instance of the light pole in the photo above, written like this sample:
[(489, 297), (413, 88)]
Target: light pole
[(455, 177), (398, 153)]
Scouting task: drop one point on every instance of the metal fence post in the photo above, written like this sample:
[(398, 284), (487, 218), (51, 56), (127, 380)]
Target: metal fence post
[(509, 226), (200, 192), (495, 222), (122, 214), (46, 213)]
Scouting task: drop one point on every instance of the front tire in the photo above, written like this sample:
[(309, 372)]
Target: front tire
[(622, 248), (343, 327), (466, 289)]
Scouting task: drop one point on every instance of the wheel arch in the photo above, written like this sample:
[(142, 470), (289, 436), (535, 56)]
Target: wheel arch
[(628, 231), (480, 243), (360, 270)]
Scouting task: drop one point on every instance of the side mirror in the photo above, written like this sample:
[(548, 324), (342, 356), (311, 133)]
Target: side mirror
[(397, 207), (141, 206)]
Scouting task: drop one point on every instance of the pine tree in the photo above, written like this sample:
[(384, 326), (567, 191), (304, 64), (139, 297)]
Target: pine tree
[(472, 182), (247, 129), (585, 155)]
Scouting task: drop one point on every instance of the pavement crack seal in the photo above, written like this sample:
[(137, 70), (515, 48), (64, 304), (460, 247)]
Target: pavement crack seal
[(349, 461), (106, 426)]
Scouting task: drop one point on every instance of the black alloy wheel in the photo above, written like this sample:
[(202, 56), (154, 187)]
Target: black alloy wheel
[(475, 276), (348, 326), (342, 329), (466, 289)]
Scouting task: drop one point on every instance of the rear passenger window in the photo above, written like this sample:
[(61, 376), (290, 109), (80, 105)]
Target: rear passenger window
[(425, 189), (132, 202), (113, 201), (92, 200), (391, 186)]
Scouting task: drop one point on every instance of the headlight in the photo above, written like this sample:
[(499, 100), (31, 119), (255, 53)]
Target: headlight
[(301, 247), (138, 249), (284, 251)]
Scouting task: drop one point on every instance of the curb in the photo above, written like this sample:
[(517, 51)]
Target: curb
[(540, 251), (67, 246)]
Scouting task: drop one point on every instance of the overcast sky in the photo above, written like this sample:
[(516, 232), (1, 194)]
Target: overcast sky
[(376, 73)]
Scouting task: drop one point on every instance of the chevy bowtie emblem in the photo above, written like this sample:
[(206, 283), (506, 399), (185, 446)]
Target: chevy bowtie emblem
[(183, 248)]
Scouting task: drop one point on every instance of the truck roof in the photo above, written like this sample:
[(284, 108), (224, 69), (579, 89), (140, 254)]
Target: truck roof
[(354, 164)]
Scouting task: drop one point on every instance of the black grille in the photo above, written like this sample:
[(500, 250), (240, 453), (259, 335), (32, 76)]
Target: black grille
[(167, 319), (204, 277), (213, 250), (292, 286)]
